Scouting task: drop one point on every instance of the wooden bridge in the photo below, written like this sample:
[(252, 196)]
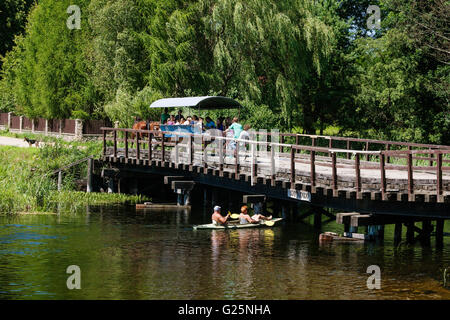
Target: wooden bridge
[(363, 175)]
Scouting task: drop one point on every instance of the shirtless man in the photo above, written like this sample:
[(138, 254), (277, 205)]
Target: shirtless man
[(217, 218), (244, 217)]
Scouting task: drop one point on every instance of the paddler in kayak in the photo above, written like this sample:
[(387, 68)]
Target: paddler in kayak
[(245, 218), (217, 218)]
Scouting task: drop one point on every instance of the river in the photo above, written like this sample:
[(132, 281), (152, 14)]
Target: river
[(124, 254)]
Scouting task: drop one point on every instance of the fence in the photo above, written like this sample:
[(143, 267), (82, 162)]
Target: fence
[(66, 127)]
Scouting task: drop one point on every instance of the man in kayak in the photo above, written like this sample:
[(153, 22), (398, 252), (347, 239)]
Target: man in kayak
[(217, 218), (245, 218)]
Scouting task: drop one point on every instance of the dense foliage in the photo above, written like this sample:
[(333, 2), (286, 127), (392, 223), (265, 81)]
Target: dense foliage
[(298, 65)]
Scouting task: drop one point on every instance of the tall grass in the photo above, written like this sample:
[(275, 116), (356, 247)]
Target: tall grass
[(26, 183)]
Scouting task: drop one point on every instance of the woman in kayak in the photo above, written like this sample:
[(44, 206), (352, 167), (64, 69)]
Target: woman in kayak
[(217, 218), (245, 218)]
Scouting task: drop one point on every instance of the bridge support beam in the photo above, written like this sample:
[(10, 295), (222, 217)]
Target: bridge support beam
[(440, 233), (410, 232), (183, 190), (425, 236), (397, 234), (317, 219)]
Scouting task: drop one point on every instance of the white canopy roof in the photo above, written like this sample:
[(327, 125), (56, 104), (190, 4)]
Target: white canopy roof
[(207, 102)]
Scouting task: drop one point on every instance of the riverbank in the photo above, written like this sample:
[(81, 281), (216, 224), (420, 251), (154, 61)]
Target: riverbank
[(28, 186)]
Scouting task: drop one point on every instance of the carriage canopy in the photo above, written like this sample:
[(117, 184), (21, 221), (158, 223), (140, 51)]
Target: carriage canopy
[(204, 103)]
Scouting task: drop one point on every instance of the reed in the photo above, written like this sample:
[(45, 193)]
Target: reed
[(27, 186)]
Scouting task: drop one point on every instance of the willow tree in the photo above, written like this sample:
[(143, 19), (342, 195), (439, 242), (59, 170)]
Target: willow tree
[(179, 55), (268, 51)]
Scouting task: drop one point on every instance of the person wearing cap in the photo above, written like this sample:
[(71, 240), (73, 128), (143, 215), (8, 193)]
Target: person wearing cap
[(245, 218), (217, 218)]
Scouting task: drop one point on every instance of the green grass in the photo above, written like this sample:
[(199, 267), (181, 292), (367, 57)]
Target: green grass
[(27, 186)]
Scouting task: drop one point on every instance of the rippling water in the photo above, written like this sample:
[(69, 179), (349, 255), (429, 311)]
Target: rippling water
[(124, 254)]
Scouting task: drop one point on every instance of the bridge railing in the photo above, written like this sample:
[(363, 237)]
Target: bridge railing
[(280, 158)]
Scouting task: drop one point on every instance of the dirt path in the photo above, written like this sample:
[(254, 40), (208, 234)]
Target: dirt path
[(15, 142)]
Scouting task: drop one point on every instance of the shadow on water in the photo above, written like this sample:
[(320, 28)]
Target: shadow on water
[(155, 254)]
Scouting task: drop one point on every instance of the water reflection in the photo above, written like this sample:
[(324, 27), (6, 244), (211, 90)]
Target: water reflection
[(155, 254)]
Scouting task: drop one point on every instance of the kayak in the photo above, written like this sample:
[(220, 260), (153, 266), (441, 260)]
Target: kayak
[(236, 225)]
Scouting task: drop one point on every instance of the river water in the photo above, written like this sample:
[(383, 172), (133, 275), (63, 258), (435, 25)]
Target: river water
[(124, 254)]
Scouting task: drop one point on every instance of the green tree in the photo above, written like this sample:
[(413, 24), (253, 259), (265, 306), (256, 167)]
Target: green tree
[(269, 51), (46, 71), (13, 14)]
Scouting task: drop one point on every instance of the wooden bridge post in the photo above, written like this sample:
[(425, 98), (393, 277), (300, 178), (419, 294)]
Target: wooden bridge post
[(138, 148), (410, 232), (317, 219), (115, 144), (90, 169), (410, 178), (397, 234), (163, 151), (388, 147), (426, 233), (313, 169), (358, 176), (292, 175), (383, 177), (334, 179), (190, 150), (104, 142), (236, 162), (367, 149), (439, 176), (272, 165), (220, 157), (150, 138), (126, 146), (177, 153), (330, 146), (254, 166), (204, 156), (348, 148)]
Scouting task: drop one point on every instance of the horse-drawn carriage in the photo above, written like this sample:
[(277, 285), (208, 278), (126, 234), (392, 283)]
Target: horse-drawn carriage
[(198, 103)]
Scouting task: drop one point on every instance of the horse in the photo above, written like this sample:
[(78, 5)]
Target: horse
[(142, 125)]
